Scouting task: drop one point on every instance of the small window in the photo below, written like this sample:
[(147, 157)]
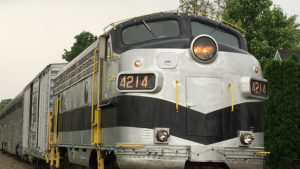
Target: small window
[(219, 35), (149, 31)]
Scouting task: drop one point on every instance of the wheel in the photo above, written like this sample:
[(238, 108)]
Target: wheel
[(18, 151), (65, 163), (93, 160), (110, 161)]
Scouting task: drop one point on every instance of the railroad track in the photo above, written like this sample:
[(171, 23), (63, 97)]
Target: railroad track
[(11, 162)]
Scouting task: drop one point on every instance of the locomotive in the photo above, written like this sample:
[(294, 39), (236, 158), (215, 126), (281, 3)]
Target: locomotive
[(165, 90)]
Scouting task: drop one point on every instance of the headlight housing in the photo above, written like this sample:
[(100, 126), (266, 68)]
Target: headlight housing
[(162, 135), (246, 138), (204, 48)]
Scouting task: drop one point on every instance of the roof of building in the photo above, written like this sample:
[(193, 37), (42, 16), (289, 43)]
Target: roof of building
[(284, 54)]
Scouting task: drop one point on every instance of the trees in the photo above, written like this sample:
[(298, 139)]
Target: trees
[(83, 40), (282, 113), (267, 27), (214, 8), (3, 103)]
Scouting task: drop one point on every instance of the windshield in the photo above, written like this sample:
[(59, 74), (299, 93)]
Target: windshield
[(219, 35), (149, 31)]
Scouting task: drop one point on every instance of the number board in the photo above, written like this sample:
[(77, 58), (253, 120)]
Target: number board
[(259, 88), (144, 81)]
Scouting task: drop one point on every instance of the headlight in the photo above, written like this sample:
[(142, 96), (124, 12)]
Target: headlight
[(204, 48), (246, 138), (162, 135)]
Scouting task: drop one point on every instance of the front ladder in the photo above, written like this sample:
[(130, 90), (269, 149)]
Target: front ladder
[(52, 144), (96, 114)]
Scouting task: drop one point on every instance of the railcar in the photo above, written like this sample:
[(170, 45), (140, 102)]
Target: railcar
[(24, 121), (166, 90), (38, 104), (11, 126)]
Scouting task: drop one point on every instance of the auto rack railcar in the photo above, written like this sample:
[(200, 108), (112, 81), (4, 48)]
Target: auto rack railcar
[(38, 103), (24, 121), (11, 126)]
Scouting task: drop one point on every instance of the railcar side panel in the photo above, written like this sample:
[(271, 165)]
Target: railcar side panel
[(38, 96), (11, 125), (26, 113)]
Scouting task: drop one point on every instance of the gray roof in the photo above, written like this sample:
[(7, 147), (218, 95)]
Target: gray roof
[(284, 54)]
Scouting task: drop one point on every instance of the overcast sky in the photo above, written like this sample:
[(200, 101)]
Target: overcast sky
[(33, 33)]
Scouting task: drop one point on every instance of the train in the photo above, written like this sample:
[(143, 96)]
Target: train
[(164, 90)]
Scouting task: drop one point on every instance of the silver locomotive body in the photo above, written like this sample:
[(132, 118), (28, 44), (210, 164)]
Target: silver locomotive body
[(161, 105)]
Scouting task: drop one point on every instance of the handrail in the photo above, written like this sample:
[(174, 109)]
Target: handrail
[(53, 146), (92, 95), (96, 115), (98, 111), (49, 129), (113, 24), (55, 132), (49, 137), (231, 93), (224, 21), (123, 20), (176, 95)]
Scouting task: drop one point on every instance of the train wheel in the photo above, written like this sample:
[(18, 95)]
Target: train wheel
[(110, 162), (93, 160), (18, 151), (65, 163)]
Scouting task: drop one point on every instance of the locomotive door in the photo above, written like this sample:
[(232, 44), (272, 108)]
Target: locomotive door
[(34, 109), (204, 99), (110, 70)]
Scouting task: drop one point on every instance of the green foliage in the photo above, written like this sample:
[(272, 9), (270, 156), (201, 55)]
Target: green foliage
[(263, 61), (282, 113), (83, 40), (3, 103), (297, 47), (268, 29), (214, 8)]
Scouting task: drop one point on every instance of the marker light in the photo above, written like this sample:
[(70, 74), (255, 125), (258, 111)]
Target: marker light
[(137, 63), (204, 48), (255, 69)]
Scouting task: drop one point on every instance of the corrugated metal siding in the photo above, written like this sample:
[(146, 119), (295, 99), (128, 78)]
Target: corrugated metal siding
[(43, 112), (26, 109)]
